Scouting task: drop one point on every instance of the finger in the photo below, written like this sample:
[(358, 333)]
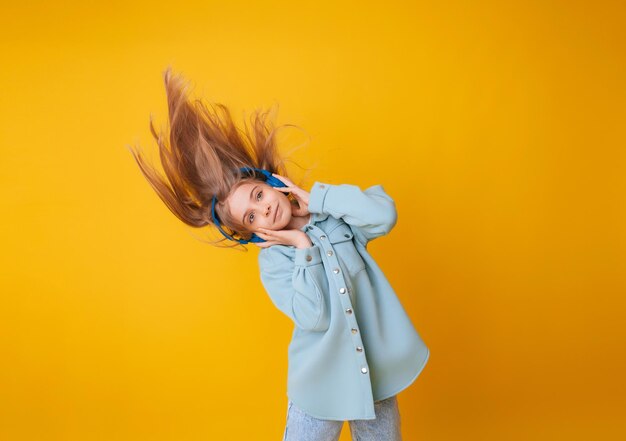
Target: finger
[(274, 239), (302, 198), (283, 179), (298, 197), (268, 238), (267, 243)]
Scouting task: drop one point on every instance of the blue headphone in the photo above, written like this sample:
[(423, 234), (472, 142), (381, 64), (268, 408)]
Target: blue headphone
[(269, 180)]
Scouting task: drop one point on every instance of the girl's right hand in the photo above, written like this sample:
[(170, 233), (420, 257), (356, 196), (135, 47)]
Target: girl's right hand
[(294, 237), (302, 196)]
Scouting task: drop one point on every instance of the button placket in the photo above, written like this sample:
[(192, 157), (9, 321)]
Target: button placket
[(344, 300)]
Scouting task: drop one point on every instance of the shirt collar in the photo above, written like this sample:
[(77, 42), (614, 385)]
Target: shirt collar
[(315, 218)]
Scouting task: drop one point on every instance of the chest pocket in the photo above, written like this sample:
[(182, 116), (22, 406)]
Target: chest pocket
[(341, 239)]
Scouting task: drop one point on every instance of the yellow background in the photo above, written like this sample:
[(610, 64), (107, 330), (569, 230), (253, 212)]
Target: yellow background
[(497, 127)]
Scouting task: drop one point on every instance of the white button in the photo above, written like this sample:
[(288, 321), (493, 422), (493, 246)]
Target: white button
[(342, 290), (364, 370), (329, 252), (348, 311), (322, 237), (354, 330), (336, 271), (359, 349), (308, 258)]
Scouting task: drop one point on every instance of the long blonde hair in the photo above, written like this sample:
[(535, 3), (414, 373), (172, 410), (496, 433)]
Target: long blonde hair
[(203, 157)]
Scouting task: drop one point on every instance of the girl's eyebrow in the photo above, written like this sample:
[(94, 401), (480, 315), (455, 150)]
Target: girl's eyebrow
[(245, 212)]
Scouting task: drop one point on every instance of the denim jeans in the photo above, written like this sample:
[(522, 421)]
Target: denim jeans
[(386, 427)]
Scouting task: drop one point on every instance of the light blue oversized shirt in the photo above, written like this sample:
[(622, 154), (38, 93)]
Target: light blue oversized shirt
[(352, 343)]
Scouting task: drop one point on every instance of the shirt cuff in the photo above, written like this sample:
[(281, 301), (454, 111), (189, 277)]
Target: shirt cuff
[(307, 256), (317, 196)]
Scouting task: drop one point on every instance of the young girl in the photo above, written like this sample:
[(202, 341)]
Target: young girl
[(353, 347)]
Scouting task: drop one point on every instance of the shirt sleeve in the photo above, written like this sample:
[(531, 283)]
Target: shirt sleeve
[(296, 282), (371, 213)]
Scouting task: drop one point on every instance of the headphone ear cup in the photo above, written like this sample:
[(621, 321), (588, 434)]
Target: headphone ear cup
[(275, 182), (256, 239)]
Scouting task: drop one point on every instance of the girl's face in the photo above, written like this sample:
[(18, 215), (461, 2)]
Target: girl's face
[(257, 204)]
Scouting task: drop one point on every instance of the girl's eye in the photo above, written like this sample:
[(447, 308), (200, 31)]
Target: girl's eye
[(251, 216)]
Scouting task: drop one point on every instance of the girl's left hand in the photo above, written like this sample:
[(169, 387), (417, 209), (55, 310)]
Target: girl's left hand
[(294, 237), (301, 195)]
